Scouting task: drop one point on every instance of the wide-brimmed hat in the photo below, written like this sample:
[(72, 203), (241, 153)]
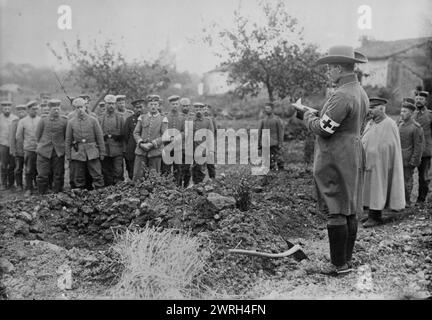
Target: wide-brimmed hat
[(342, 54)]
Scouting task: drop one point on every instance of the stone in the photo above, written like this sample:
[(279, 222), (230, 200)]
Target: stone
[(36, 227), (114, 197), (221, 202), (21, 228), (24, 216), (6, 266), (46, 245), (64, 281)]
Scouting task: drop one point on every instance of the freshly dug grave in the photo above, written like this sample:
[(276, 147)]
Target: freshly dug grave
[(279, 207)]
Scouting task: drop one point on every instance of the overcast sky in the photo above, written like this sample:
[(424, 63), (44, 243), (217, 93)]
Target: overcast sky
[(141, 28)]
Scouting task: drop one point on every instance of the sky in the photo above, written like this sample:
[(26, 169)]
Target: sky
[(141, 28)]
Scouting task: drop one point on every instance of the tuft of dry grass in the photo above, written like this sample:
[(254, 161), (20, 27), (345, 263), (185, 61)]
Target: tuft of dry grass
[(159, 264)]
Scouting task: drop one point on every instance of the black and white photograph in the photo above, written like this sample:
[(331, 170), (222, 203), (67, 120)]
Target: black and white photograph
[(233, 152)]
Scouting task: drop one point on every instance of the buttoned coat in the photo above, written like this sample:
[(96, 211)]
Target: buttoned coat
[(113, 125), (412, 142), (50, 134), (150, 129)]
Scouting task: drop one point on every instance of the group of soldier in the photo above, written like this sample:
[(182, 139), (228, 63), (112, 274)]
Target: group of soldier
[(96, 146)]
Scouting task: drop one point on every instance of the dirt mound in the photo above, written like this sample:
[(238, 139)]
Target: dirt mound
[(280, 208)]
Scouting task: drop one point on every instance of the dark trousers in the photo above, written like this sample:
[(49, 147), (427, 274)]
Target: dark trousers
[(130, 166), (198, 172), (143, 162), (30, 168), (211, 169), (424, 179), (50, 167), (175, 168), (94, 168), (408, 180), (276, 158), (112, 169), (19, 169), (7, 166)]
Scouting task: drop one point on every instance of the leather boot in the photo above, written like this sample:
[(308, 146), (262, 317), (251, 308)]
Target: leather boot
[(338, 236), (352, 224), (374, 219)]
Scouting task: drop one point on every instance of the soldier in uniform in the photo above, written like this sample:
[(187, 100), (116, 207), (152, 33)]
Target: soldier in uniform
[(384, 182), (211, 168), (274, 124), (101, 110), (176, 121), (7, 162), (129, 128), (200, 122), (45, 109), (148, 136), (121, 107), (112, 124), (423, 116), (339, 159), (185, 105), (84, 146), (411, 136), (17, 149), (50, 137), (26, 134)]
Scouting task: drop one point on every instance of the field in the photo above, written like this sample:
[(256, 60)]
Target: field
[(153, 241)]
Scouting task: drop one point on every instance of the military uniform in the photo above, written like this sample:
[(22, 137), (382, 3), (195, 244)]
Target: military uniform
[(17, 151), (411, 136), (129, 128), (112, 166), (84, 146), (126, 114), (149, 129), (26, 133), (274, 124), (211, 168), (50, 137), (175, 121), (198, 170), (7, 163), (423, 116)]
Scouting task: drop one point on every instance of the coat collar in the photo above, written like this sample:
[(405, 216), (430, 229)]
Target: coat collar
[(349, 78)]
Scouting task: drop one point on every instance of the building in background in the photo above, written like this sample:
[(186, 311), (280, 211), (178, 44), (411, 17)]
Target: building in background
[(399, 65), (215, 82)]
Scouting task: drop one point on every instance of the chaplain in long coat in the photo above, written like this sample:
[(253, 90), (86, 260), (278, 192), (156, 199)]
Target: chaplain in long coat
[(339, 155), (384, 179)]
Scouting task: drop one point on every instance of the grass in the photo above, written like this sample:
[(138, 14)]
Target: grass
[(159, 264)]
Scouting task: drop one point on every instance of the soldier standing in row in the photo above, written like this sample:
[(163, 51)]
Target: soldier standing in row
[(17, 149), (200, 122), (176, 121), (274, 124), (85, 146), (121, 107), (148, 136), (7, 162), (211, 168), (101, 109), (50, 137), (411, 136), (26, 134), (129, 128), (424, 118), (185, 176), (112, 124)]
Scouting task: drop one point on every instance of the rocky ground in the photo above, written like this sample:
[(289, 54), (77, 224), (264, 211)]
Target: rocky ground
[(58, 246)]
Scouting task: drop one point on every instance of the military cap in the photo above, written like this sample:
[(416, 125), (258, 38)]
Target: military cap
[(54, 103), (409, 100), (199, 104), (154, 97), (84, 96), (173, 98), (5, 103), (422, 93), (120, 97), (102, 103), (373, 102), (409, 104), (109, 98), (136, 101), (185, 101), (20, 107), (31, 103), (78, 102)]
